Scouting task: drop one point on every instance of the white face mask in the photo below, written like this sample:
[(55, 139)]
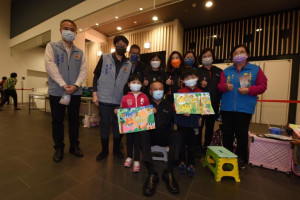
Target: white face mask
[(135, 87), (207, 61), (191, 82), (155, 64)]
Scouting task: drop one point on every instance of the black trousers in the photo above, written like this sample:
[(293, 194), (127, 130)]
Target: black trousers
[(107, 116), (133, 142), (236, 124), (58, 115), (162, 138), (10, 93), (188, 145), (209, 122)]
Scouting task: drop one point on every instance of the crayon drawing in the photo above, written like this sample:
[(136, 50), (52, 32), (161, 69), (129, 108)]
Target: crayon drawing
[(138, 119)]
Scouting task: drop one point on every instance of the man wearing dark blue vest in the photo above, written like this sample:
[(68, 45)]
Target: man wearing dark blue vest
[(66, 67), (110, 76)]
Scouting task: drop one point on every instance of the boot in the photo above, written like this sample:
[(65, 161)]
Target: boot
[(104, 153), (116, 148), (58, 155)]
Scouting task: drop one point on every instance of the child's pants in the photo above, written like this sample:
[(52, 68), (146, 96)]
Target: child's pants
[(133, 142), (188, 144)]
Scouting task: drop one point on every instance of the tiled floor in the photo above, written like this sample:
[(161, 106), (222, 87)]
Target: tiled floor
[(28, 172)]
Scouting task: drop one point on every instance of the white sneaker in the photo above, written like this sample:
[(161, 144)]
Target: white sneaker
[(128, 162), (136, 167)]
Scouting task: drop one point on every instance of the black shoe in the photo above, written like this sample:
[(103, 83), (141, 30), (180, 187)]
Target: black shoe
[(150, 184), (102, 155), (170, 181), (58, 155), (241, 164), (17, 109), (76, 151), (119, 154)]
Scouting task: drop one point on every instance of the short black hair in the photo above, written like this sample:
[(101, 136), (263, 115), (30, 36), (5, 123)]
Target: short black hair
[(157, 82), (134, 46), (122, 38), (134, 77), (204, 51), (238, 46), (192, 52), (13, 75), (152, 55), (68, 20), (188, 72), (4, 78)]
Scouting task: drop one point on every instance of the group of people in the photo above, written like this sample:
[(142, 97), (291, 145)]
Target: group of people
[(121, 82), (7, 89)]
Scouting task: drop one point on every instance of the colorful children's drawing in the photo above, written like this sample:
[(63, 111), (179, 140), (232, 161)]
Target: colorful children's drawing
[(193, 103), (245, 80), (138, 119), (296, 129)]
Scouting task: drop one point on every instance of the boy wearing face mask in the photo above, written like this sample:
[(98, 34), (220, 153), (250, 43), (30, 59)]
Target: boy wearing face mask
[(133, 99), (209, 76), (110, 76), (162, 135), (154, 72), (188, 125)]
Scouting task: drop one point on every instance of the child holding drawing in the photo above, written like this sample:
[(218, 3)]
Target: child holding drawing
[(133, 99), (188, 126)]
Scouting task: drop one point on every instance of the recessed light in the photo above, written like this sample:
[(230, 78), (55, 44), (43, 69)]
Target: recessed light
[(215, 36), (97, 24), (135, 22), (209, 4), (155, 18), (80, 29), (119, 28), (116, 17), (141, 9), (259, 29)]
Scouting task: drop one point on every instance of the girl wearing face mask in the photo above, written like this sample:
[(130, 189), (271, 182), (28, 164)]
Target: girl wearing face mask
[(209, 77), (154, 72), (188, 125), (190, 60), (134, 98), (240, 85), (175, 67)]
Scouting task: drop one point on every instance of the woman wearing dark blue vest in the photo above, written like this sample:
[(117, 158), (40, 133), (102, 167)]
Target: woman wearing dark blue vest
[(110, 76), (240, 85)]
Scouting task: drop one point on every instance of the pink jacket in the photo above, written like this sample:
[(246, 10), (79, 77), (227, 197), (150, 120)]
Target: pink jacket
[(130, 101)]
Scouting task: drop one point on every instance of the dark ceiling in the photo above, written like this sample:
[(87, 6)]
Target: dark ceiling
[(189, 16)]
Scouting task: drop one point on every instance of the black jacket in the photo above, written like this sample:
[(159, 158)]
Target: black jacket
[(164, 115), (152, 76), (175, 77), (213, 78)]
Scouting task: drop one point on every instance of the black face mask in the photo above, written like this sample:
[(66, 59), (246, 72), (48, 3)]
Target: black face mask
[(120, 51)]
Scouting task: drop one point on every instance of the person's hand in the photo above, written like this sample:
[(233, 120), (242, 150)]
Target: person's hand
[(154, 110), (146, 82), (186, 114), (116, 111), (243, 90), (95, 99), (169, 81), (66, 87), (229, 86), (296, 142), (71, 89), (204, 83), (200, 121)]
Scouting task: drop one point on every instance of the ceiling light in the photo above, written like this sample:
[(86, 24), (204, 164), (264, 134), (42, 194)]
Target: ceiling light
[(119, 28), (147, 45), (215, 36), (97, 24), (112, 50), (80, 29), (155, 18), (135, 22), (209, 4), (116, 17), (259, 29), (99, 53), (141, 9)]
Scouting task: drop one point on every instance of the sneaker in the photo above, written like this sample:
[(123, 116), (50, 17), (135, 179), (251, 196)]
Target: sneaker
[(191, 171), (182, 168), (136, 167), (17, 109), (241, 164), (128, 162)]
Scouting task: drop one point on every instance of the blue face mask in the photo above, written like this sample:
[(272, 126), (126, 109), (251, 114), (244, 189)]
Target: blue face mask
[(68, 35), (135, 87), (134, 58), (158, 94), (189, 61)]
